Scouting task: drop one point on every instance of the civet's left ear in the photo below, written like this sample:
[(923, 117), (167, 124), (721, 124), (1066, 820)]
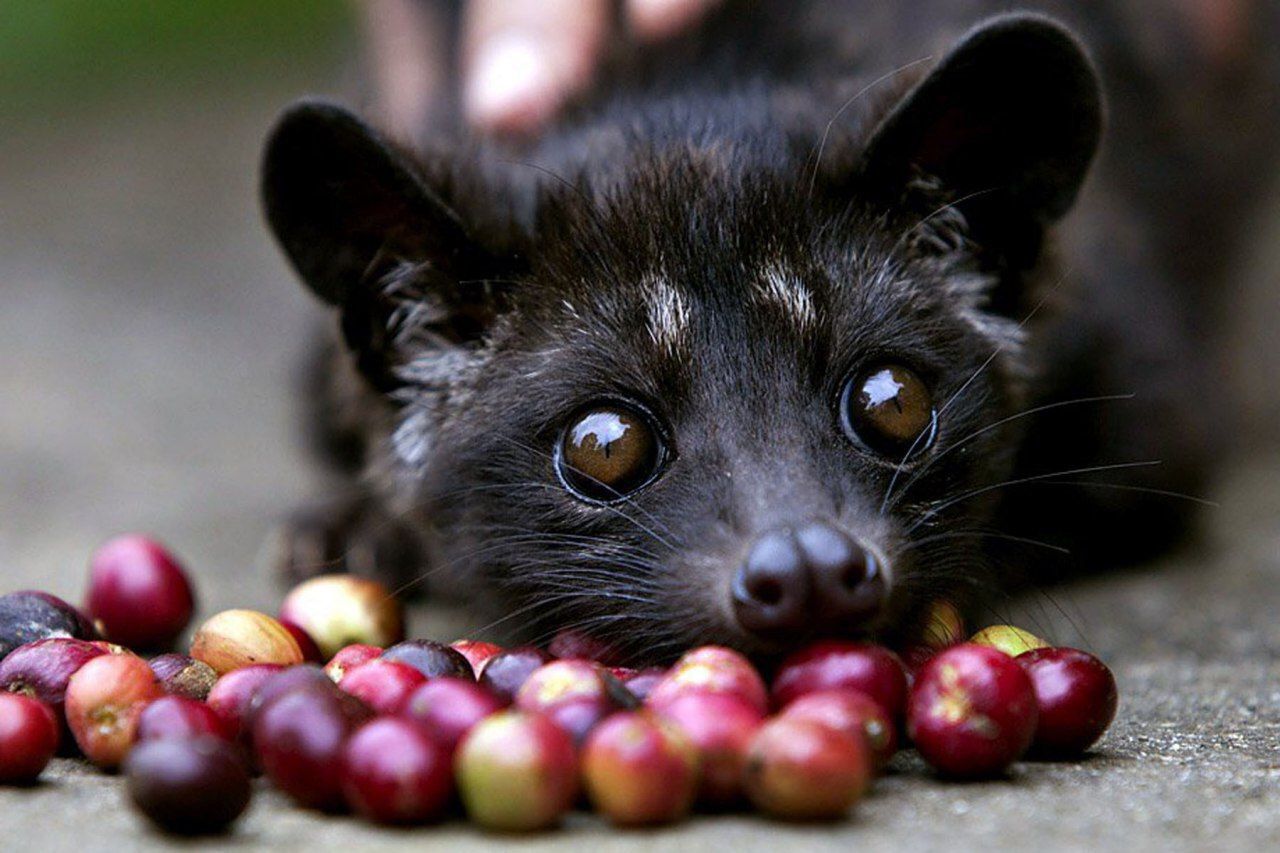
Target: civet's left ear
[(1008, 123)]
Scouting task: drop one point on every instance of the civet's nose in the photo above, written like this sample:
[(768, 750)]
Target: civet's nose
[(813, 578)]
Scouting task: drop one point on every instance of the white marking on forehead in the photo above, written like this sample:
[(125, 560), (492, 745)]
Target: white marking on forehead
[(780, 288), (668, 316)]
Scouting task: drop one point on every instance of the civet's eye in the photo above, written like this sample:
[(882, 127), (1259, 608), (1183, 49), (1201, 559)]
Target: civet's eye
[(889, 409), (608, 451)]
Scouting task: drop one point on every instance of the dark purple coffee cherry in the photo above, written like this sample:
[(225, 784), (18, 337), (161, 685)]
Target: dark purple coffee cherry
[(188, 786)]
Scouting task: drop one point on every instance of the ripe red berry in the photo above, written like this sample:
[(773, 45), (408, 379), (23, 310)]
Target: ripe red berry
[(801, 770), (639, 769), (972, 711), (232, 694), (449, 708), (873, 670), (476, 652), (383, 685), (188, 786), (29, 734), (720, 726), (178, 717), (575, 694), (516, 772), (506, 672), (712, 669), (350, 657), (105, 699), (340, 610), (852, 712), (393, 771), (293, 678), (576, 644), (298, 738), (1076, 697), (139, 593), (310, 651)]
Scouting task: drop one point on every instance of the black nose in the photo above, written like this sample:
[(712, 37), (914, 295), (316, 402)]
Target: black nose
[(812, 578)]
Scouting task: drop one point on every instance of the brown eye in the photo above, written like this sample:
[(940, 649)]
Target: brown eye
[(889, 409), (607, 452)]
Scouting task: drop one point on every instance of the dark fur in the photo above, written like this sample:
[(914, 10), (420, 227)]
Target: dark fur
[(486, 294)]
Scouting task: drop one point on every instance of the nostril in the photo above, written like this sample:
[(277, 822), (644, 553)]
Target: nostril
[(860, 571), (852, 576), (848, 584), (771, 590), (766, 591)]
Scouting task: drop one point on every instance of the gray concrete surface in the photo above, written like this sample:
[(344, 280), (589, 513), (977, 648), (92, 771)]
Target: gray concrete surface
[(147, 334)]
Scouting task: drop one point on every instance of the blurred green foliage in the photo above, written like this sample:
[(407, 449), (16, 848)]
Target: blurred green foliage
[(54, 51)]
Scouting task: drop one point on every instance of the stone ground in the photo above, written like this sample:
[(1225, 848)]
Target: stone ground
[(148, 332)]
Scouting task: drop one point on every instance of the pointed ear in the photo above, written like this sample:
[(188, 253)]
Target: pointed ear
[(1008, 123), (368, 235), (340, 200)]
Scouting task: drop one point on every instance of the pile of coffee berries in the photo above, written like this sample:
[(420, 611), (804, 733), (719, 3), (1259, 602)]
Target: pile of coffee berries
[(335, 708)]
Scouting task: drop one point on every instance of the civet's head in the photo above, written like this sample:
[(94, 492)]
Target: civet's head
[(714, 387)]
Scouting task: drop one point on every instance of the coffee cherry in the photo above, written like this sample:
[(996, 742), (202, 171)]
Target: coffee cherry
[(720, 726), (178, 717), (181, 675), (576, 644), (873, 670), (29, 734), (801, 770), (449, 708), (506, 672), (44, 668), (350, 657), (236, 638), (712, 669), (1076, 697), (293, 678), (430, 658), (943, 627), (383, 685), (105, 699), (575, 694), (310, 651), (298, 738), (28, 616), (233, 693), (854, 713), (340, 610), (188, 786), (642, 681), (639, 769), (1008, 639), (139, 593), (476, 652), (516, 772), (394, 772), (972, 711)]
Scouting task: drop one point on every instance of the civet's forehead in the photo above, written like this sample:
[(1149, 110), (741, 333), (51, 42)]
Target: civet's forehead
[(774, 296)]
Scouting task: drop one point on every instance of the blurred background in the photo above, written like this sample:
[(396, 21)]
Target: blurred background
[(149, 330)]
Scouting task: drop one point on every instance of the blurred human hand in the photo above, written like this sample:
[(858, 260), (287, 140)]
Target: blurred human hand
[(524, 59)]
